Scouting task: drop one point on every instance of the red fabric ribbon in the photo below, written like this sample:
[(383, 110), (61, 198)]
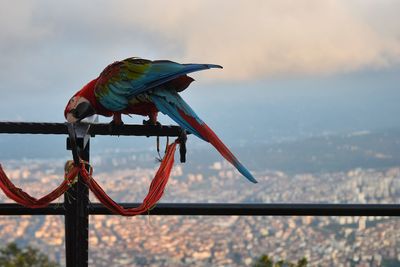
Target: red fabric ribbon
[(156, 189), (23, 198)]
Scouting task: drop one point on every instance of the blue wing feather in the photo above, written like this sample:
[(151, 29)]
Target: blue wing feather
[(128, 78), (171, 109)]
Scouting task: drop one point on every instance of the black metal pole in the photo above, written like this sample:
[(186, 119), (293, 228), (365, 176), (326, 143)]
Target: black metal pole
[(226, 209), (259, 209), (76, 201), (95, 129)]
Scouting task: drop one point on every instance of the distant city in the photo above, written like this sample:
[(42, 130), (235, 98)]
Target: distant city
[(361, 167)]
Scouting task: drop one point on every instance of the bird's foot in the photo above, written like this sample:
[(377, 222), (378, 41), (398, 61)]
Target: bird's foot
[(152, 123), (114, 126)]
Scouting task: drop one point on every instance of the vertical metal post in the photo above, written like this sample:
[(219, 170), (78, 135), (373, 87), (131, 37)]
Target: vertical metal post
[(77, 216)]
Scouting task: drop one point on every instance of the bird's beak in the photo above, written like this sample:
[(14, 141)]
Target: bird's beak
[(81, 111)]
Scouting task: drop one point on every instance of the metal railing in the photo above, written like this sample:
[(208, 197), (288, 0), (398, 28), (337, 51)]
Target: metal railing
[(77, 209)]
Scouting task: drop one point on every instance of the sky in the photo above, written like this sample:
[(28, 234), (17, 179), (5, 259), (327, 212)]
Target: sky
[(289, 66)]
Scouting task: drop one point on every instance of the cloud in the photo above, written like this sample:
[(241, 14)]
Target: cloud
[(74, 40), (262, 38)]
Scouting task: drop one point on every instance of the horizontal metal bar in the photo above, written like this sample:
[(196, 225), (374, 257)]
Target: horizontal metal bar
[(95, 129), (224, 209), (16, 209)]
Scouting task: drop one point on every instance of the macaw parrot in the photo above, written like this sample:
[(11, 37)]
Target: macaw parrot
[(145, 87)]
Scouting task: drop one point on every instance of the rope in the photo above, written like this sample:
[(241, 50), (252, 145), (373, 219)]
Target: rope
[(156, 189), (23, 198)]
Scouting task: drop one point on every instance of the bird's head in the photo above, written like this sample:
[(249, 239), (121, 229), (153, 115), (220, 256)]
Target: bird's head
[(78, 108), (82, 104)]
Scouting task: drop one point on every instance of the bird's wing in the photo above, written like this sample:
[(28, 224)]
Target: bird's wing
[(125, 79), (170, 103)]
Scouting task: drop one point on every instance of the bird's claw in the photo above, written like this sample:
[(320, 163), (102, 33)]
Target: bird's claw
[(150, 122)]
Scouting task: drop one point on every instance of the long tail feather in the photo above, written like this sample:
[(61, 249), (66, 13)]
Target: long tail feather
[(211, 137), (171, 104)]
